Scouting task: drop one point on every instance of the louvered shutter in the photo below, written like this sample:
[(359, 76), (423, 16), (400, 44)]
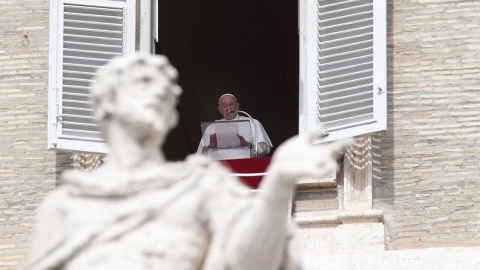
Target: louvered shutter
[(343, 67), (84, 35)]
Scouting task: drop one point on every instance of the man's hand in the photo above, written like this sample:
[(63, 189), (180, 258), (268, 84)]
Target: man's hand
[(243, 141), (213, 141)]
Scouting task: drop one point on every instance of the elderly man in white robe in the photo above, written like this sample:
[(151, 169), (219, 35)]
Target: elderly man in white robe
[(247, 136)]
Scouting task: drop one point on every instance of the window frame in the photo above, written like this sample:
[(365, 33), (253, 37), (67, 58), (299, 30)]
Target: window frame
[(55, 90)]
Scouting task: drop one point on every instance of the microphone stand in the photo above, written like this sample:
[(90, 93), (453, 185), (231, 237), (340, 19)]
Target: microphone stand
[(254, 126)]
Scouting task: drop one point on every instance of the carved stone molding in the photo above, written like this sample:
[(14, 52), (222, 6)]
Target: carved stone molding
[(355, 176), (84, 161)]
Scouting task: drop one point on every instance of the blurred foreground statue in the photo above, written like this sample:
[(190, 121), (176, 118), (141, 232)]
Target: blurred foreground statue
[(138, 211)]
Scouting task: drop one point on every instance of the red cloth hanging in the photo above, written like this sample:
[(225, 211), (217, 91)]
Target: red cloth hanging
[(248, 165)]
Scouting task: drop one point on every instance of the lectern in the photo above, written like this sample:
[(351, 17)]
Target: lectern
[(228, 143)]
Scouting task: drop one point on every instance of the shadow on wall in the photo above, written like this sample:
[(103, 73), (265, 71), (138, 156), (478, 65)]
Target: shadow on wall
[(63, 162), (383, 144), (383, 189)]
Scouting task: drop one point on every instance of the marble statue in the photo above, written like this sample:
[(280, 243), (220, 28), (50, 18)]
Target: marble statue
[(137, 211)]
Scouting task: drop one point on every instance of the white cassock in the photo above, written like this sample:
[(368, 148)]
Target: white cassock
[(264, 143)]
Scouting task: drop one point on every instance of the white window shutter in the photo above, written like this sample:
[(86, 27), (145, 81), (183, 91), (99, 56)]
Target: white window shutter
[(343, 67), (84, 35)]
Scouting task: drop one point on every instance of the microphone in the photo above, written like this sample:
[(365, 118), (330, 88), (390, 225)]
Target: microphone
[(233, 111)]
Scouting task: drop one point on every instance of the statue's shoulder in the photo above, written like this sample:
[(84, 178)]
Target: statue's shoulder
[(202, 162), (215, 176)]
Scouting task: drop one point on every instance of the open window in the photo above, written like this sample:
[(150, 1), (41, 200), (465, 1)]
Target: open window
[(343, 67), (84, 35), (342, 64), (247, 48)]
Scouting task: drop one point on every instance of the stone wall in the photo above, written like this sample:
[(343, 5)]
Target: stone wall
[(27, 169), (427, 165)]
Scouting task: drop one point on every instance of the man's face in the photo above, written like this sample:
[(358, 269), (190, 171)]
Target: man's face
[(226, 104)]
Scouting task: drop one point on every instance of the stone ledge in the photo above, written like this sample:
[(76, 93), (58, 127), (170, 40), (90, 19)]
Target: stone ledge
[(322, 218), (428, 258), (361, 216), (311, 182), (341, 217)]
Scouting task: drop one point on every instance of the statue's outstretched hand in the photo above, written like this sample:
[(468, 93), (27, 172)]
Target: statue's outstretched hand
[(298, 157)]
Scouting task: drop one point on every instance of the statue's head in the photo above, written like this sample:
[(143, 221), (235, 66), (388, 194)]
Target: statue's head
[(140, 92)]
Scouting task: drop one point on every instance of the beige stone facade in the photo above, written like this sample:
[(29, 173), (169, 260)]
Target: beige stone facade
[(27, 169), (426, 167)]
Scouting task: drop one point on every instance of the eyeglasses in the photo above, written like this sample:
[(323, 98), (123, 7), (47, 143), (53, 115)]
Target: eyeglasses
[(231, 105)]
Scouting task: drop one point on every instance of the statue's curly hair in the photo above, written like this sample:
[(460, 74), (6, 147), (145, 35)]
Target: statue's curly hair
[(126, 73)]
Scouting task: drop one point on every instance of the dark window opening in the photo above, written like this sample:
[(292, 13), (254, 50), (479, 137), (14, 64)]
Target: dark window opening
[(247, 48)]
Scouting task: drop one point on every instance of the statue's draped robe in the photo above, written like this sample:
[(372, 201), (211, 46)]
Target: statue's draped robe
[(175, 216)]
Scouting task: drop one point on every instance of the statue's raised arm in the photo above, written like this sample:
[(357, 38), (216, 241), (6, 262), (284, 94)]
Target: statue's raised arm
[(263, 244)]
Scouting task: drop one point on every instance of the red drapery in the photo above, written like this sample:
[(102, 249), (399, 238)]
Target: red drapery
[(248, 165)]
